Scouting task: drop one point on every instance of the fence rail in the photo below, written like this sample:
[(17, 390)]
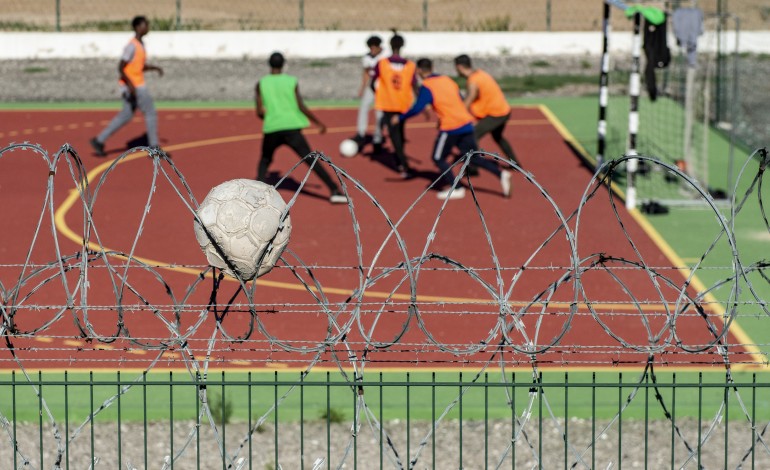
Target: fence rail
[(548, 421), (415, 15)]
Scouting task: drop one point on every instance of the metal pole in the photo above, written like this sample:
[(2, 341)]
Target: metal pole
[(178, 24), (424, 15), (301, 15), (58, 15), (603, 87), (633, 114), (733, 112), (718, 87)]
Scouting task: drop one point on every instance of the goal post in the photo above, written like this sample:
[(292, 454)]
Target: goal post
[(681, 123)]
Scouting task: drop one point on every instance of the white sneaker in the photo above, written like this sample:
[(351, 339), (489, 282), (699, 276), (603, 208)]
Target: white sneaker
[(458, 193), (338, 198), (505, 182)]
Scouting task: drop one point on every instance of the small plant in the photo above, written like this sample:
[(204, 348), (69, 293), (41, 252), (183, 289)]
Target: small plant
[(333, 415), (220, 415), (334, 26), (494, 23), (540, 63), (585, 65), (319, 63), (35, 69)]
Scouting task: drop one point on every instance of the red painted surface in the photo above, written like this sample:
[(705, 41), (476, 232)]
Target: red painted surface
[(323, 236)]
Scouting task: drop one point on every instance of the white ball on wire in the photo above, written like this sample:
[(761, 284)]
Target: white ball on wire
[(348, 148), (240, 220)]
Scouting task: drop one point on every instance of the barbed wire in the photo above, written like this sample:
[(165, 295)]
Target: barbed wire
[(527, 331)]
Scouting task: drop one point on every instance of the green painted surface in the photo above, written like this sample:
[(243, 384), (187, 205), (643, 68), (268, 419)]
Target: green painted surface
[(394, 403)]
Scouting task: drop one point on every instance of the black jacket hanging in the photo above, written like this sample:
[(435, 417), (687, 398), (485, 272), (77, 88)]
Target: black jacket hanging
[(657, 53)]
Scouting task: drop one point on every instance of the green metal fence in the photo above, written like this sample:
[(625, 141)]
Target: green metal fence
[(265, 420)]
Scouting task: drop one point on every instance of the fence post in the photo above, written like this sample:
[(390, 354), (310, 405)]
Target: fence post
[(178, 21), (424, 15), (301, 15), (58, 16), (40, 413)]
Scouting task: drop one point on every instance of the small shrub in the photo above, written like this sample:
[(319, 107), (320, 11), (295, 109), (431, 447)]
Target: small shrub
[(215, 406), (540, 63), (495, 23), (35, 69), (333, 415)]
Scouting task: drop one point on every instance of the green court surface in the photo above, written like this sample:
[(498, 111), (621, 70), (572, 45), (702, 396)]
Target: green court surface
[(396, 395)]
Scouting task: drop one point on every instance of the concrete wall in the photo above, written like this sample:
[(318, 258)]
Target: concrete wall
[(311, 44)]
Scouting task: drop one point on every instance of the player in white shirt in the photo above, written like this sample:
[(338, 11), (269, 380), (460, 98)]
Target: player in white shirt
[(366, 93)]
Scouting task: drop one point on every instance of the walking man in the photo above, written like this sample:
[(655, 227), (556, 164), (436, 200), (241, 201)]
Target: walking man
[(133, 89), (280, 105)]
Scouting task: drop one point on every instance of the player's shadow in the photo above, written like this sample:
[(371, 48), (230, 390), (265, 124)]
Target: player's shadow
[(291, 184)]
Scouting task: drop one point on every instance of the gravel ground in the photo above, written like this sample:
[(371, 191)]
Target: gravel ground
[(213, 80), (366, 451)]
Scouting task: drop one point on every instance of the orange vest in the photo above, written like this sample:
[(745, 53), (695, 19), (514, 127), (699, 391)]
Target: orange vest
[(447, 102), (134, 70), (394, 86), (490, 100)]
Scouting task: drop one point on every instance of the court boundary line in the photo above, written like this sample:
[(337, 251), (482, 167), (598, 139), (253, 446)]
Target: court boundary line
[(668, 251)]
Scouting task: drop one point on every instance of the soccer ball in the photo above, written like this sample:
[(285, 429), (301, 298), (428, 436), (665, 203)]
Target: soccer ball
[(348, 148), (243, 219)]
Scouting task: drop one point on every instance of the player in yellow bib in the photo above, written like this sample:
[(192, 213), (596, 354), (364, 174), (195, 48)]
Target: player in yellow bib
[(486, 101), (284, 113)]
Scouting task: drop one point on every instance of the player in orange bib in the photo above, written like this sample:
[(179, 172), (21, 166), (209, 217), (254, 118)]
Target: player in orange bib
[(455, 128), (486, 101), (394, 83), (133, 64)]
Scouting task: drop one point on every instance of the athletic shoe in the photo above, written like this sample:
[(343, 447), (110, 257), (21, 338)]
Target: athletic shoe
[(338, 198), (505, 182), (98, 148), (458, 193), (405, 173), (377, 148)]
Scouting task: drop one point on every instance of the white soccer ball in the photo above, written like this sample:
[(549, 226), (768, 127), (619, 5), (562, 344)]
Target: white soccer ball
[(348, 148), (243, 218)]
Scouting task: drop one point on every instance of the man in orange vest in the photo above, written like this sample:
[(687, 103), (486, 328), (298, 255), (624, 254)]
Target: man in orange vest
[(133, 89), (486, 101), (455, 128), (394, 82)]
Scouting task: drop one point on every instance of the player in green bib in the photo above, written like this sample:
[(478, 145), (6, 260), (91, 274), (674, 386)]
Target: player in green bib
[(284, 113)]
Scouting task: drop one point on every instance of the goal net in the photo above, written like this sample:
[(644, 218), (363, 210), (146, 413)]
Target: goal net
[(683, 114)]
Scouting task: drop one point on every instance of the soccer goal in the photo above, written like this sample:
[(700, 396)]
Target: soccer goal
[(680, 110)]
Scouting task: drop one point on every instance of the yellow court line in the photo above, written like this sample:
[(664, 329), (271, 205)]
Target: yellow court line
[(670, 253)]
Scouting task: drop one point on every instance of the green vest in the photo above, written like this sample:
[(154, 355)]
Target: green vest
[(282, 112)]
